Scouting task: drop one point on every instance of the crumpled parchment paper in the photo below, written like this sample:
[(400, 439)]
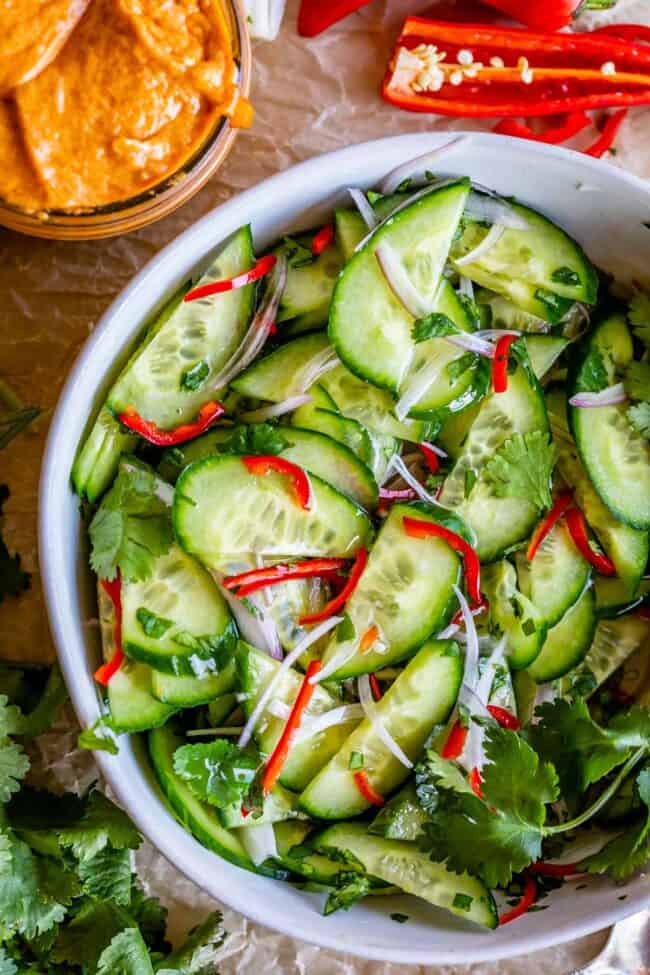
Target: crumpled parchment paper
[(311, 96)]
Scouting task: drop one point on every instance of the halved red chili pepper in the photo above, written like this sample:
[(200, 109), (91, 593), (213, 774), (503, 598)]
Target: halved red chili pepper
[(426, 529), (366, 790), (577, 526), (573, 123), (374, 687), (281, 751), (248, 582), (629, 32), (554, 869), (562, 502), (606, 139), (431, 458), (368, 639), (264, 463), (559, 73), (500, 363), (475, 782), (453, 747), (259, 270), (547, 14), (528, 899), (504, 717), (151, 432), (323, 239), (113, 589), (333, 606), (316, 15)]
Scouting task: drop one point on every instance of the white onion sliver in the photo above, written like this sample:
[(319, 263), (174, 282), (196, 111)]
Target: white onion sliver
[(429, 188), (399, 281), (484, 685), (311, 637), (466, 287), (259, 842), (276, 409), (437, 450), (448, 632), (340, 658), (416, 389), (610, 396), (314, 726), (368, 215), (321, 363), (470, 671), (417, 167), (491, 239), (494, 334), (420, 490), (279, 709), (469, 342), (382, 732), (260, 631), (492, 209)]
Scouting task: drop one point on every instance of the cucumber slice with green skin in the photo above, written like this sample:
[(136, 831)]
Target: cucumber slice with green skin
[(222, 510), (197, 817), (177, 621), (567, 643), (350, 231), (544, 351), (199, 336), (279, 805), (406, 591), (174, 459), (284, 372), (513, 614), (189, 692), (502, 313), (541, 269), (402, 818), (420, 698), (627, 547), (369, 326), (309, 287), (221, 708), (403, 865), (455, 429), (525, 690), (614, 641), (498, 523), (291, 835), (96, 463), (556, 577), (306, 758), (309, 322), (321, 416), (613, 596), (616, 457)]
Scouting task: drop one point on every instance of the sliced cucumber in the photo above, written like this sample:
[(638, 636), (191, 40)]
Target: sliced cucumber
[(98, 459), (403, 865), (455, 429), (174, 459), (306, 758), (544, 351), (198, 335), (498, 523), (333, 462), (189, 692), (222, 510), (541, 269), (402, 818), (369, 326), (421, 697), (502, 313), (614, 641), (613, 596), (627, 547), (309, 287), (615, 455), (322, 416), (279, 805), (556, 577), (284, 372), (568, 641), (350, 231), (222, 708), (513, 614), (290, 836), (406, 592)]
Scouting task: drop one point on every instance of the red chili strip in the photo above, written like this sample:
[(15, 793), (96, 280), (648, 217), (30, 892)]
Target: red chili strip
[(528, 899), (424, 529), (366, 790), (475, 782), (504, 717), (577, 526), (606, 139), (171, 438), (248, 582), (316, 16), (431, 458), (281, 751), (453, 747), (323, 239), (264, 463), (628, 32), (573, 123), (554, 869), (368, 639), (342, 597), (561, 504), (113, 589), (500, 363), (374, 687), (259, 270)]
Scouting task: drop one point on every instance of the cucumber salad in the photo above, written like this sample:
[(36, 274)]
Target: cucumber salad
[(369, 517)]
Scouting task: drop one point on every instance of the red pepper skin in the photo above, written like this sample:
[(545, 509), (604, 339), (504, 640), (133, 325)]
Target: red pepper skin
[(259, 270), (562, 502), (368, 639), (606, 139), (430, 458), (504, 717), (626, 32), (528, 899), (554, 869), (149, 431), (475, 781), (573, 124), (500, 363), (427, 529), (366, 790), (323, 239), (547, 15), (577, 526), (248, 582), (317, 15), (374, 687), (113, 589), (264, 463), (341, 598), (279, 755), (566, 68), (453, 747)]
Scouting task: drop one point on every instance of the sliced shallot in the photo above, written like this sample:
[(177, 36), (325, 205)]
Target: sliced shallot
[(382, 732), (276, 409), (491, 239), (611, 396), (416, 169), (492, 209), (399, 281), (471, 343), (368, 215)]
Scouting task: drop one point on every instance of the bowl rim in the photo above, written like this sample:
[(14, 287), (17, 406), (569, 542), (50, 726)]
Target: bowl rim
[(54, 484)]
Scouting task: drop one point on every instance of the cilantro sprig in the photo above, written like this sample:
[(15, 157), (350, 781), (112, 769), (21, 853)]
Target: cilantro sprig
[(218, 772), (522, 468)]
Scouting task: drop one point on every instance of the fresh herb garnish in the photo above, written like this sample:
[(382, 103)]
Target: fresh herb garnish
[(433, 326), (629, 851), (99, 737), (522, 467), (471, 478), (152, 625), (639, 416), (353, 889), (639, 316), (257, 438), (194, 377), (345, 630), (565, 275), (298, 255), (637, 381), (457, 367), (356, 761), (463, 902), (217, 772), (593, 373), (556, 305)]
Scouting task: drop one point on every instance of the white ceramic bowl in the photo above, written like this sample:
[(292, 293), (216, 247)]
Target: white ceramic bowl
[(604, 208)]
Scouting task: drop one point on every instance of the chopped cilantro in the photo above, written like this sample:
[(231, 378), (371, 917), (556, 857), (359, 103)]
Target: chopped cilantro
[(639, 316), (194, 377), (99, 737), (153, 626), (639, 416), (470, 480), (463, 902), (565, 275), (218, 772), (356, 760), (457, 367), (257, 438), (433, 326), (522, 467), (345, 630), (593, 375), (342, 898), (297, 254), (555, 305), (637, 381)]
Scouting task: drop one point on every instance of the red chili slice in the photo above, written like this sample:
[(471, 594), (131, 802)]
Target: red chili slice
[(504, 717), (366, 790), (475, 782), (280, 753), (299, 481), (606, 139), (577, 526), (528, 899), (374, 687), (500, 363), (424, 529), (573, 123), (561, 504), (323, 239), (431, 458), (341, 598), (259, 270), (368, 639), (171, 438), (248, 582), (113, 589), (453, 747)]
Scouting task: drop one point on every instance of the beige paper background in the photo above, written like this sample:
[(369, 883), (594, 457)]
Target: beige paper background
[(310, 97)]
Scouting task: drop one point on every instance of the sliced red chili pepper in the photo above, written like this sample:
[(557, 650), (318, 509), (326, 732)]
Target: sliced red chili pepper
[(500, 363), (629, 32), (316, 16), (572, 124), (453, 747), (475, 782), (360, 562), (425, 529), (374, 687), (549, 14), (561, 504), (171, 438), (259, 270), (366, 790), (281, 751), (369, 638), (504, 717), (528, 899), (577, 526), (248, 582), (431, 458), (264, 463), (606, 139), (554, 869), (323, 239), (113, 589)]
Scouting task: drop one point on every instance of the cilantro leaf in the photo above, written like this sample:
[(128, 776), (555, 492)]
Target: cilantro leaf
[(102, 824), (637, 381), (86, 935), (150, 915), (522, 467), (433, 326), (194, 377), (152, 625), (99, 737), (13, 580), (628, 852), (106, 876), (10, 718), (593, 374), (131, 528), (14, 765), (639, 417), (198, 953), (342, 898), (126, 955), (217, 772), (256, 438), (639, 316), (25, 908), (565, 275)]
